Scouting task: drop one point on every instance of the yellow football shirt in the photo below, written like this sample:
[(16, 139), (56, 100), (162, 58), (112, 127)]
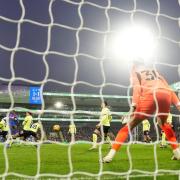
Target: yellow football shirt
[(72, 129), (27, 123), (146, 125), (105, 117), (35, 126), (4, 125)]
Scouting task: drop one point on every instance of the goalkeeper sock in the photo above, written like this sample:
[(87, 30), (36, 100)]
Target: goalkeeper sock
[(170, 135), (111, 154), (94, 139), (120, 138)]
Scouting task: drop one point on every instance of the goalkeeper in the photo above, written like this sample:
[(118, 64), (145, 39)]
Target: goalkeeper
[(102, 128), (151, 92)]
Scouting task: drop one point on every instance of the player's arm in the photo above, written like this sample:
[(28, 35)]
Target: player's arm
[(25, 121), (135, 82), (174, 99)]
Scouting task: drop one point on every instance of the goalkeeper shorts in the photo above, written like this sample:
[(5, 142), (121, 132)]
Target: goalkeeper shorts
[(158, 103)]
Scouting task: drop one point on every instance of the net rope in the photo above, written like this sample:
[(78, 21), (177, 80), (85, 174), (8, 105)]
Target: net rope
[(81, 27)]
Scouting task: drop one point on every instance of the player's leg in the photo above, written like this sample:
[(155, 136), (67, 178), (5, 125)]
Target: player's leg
[(108, 139), (72, 137), (7, 139), (163, 140), (121, 138), (105, 132), (164, 102), (148, 138), (34, 135), (4, 135), (20, 135), (25, 135), (111, 135), (95, 135), (171, 137), (145, 137)]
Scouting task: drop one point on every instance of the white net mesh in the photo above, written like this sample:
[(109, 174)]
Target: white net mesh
[(167, 31)]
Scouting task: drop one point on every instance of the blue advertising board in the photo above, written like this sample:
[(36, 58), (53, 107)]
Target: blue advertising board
[(35, 95)]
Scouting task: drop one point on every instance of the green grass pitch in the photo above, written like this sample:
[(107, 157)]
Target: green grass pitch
[(54, 160)]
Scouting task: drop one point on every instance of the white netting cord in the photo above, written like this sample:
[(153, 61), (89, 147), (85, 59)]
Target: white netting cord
[(75, 82), (154, 119), (11, 81), (42, 85), (129, 102), (103, 83)]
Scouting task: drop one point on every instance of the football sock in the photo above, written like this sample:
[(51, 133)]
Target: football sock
[(170, 135), (120, 138)]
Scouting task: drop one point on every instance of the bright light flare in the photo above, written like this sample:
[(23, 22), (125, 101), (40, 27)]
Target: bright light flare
[(58, 105), (133, 42)]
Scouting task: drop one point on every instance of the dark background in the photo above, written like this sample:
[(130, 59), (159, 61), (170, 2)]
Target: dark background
[(64, 56)]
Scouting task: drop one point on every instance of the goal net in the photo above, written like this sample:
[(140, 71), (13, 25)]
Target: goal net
[(83, 46)]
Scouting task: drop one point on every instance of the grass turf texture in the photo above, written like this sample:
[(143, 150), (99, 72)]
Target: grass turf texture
[(54, 160)]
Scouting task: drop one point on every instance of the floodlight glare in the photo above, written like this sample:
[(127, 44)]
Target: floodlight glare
[(58, 105), (133, 42)]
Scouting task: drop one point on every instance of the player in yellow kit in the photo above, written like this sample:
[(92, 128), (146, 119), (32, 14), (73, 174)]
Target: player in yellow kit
[(72, 131), (146, 129), (103, 126), (28, 120), (34, 129), (4, 128)]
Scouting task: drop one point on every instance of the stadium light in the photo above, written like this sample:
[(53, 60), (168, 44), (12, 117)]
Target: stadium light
[(133, 42), (58, 105)]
